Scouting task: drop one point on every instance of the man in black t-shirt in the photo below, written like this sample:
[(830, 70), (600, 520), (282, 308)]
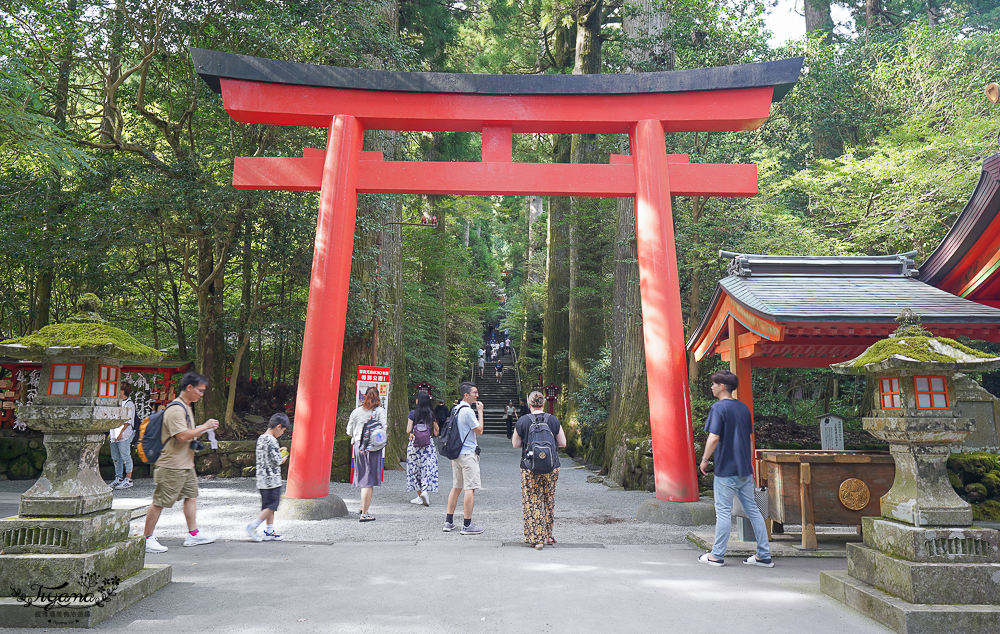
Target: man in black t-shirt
[(441, 412)]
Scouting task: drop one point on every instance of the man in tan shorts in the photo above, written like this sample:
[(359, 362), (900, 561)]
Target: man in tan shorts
[(175, 476), (465, 468)]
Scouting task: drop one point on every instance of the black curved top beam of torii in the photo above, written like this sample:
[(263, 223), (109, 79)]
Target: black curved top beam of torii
[(214, 65)]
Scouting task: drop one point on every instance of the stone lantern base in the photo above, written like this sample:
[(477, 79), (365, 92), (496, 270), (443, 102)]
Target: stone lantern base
[(72, 571), (916, 579)]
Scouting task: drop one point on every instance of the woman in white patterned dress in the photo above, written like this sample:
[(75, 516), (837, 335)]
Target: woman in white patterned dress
[(421, 459)]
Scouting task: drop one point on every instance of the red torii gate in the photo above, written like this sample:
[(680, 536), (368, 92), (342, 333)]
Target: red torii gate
[(349, 101)]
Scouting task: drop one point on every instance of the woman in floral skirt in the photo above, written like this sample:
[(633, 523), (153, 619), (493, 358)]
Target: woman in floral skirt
[(421, 459), (538, 490)]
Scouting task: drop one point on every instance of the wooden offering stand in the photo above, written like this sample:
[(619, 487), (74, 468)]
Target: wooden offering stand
[(824, 487)]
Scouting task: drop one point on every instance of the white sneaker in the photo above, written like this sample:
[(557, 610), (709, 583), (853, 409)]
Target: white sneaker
[(126, 484), (273, 536), (252, 532), (153, 546), (114, 483), (199, 539), (425, 499), (417, 500)]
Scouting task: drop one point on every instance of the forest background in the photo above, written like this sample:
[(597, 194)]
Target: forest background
[(116, 163)]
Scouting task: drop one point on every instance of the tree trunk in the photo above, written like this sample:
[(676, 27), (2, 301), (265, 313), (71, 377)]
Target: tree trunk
[(694, 296), (818, 20), (628, 415), (246, 299), (586, 324), (210, 345), (43, 289), (555, 330), (646, 47)]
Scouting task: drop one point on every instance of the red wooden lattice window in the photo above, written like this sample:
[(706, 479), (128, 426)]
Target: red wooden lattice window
[(931, 391), (66, 379), (890, 393), (108, 385)]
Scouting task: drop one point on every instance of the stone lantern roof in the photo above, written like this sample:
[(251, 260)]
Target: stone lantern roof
[(913, 349), (918, 353), (84, 334)]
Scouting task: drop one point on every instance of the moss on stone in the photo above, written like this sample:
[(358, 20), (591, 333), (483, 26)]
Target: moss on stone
[(992, 483), (975, 492), (971, 467), (956, 482), (917, 348), (90, 338), (988, 511)]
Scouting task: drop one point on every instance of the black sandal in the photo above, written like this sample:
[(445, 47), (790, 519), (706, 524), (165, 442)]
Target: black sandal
[(366, 518)]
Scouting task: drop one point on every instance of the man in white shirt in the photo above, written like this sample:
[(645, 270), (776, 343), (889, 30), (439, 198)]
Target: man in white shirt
[(121, 445), (465, 469)]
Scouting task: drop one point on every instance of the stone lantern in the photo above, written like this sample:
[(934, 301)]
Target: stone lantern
[(923, 566), (65, 531)]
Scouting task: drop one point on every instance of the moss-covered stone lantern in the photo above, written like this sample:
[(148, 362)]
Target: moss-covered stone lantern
[(917, 413), (923, 566), (65, 530)]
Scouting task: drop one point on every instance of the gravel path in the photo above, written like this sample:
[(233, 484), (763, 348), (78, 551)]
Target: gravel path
[(585, 512)]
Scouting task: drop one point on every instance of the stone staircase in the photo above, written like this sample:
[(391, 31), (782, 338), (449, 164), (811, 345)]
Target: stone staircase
[(496, 395)]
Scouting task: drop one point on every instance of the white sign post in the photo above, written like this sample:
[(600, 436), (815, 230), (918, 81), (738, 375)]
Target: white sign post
[(831, 432)]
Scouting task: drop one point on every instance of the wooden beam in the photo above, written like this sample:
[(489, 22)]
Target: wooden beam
[(806, 504), (494, 176)]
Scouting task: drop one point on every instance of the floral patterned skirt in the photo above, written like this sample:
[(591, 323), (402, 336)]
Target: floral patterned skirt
[(538, 499), (421, 468)]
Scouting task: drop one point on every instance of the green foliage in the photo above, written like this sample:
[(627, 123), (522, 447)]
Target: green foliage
[(594, 398), (902, 180)]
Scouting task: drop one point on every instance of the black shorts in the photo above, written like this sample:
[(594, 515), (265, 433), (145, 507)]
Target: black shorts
[(269, 498)]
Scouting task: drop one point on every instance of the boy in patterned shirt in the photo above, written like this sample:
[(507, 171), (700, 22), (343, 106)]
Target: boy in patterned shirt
[(270, 457)]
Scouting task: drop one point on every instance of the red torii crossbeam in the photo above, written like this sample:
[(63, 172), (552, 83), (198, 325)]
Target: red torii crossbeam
[(349, 101)]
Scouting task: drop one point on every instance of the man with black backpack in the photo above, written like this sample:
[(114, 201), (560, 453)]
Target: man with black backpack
[(466, 425), (175, 476)]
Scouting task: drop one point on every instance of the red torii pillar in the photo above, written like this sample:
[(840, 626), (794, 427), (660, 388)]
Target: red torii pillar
[(342, 170)]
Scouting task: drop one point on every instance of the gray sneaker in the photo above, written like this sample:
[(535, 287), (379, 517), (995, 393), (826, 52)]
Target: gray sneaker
[(448, 527), (471, 529)]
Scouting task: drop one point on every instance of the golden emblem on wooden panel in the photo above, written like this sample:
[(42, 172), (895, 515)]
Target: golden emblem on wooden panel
[(854, 494)]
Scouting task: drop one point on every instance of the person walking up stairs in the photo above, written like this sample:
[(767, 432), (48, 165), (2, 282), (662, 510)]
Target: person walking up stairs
[(496, 391)]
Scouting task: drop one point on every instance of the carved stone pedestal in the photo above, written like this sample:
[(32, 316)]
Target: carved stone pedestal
[(915, 579)]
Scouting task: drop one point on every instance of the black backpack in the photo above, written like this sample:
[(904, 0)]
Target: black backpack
[(150, 432), (451, 442), (540, 452)]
